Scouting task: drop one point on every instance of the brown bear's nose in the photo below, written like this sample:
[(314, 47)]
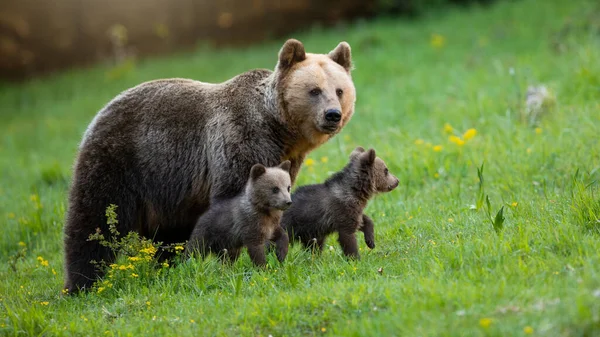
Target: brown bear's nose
[(333, 115)]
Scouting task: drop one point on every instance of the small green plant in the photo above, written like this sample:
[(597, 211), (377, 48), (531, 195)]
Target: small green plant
[(135, 255), (498, 220), (481, 189)]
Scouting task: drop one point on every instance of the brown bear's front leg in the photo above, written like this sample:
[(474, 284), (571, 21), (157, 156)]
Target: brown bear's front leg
[(80, 272), (257, 254), (282, 243), (349, 245), (369, 230)]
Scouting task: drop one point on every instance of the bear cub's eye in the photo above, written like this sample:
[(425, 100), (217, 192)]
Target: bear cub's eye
[(315, 92), (275, 190), (289, 188), (386, 171), (339, 92)]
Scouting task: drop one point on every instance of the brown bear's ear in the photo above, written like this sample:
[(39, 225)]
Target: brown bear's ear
[(286, 165), (291, 53), (257, 171), (368, 157), (356, 152), (342, 56)]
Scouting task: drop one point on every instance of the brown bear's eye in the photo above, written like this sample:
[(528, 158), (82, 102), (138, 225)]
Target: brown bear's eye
[(315, 92), (289, 188), (275, 190), (386, 171), (339, 92)]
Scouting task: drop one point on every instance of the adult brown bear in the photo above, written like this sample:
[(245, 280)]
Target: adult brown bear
[(164, 149)]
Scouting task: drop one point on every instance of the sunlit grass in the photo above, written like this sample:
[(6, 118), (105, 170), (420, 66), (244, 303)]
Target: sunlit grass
[(439, 99)]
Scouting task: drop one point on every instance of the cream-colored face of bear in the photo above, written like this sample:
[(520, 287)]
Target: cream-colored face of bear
[(318, 91), (270, 186), (382, 179)]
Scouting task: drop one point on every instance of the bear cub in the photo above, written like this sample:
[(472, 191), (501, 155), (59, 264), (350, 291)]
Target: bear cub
[(249, 219), (337, 205)]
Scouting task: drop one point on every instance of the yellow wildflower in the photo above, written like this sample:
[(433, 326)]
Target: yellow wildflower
[(165, 264), (419, 142), (436, 175), (323, 329), (456, 140), (450, 220), (309, 162), (34, 197), (22, 244), (11, 215), (53, 271), (528, 330), (100, 289), (44, 303), (134, 258), (192, 321), (134, 275), (437, 148), (448, 128), (122, 267), (324, 159), (150, 250), (42, 261), (437, 41), (65, 291), (514, 204), (485, 322), (529, 150), (148, 303), (469, 134), (178, 247), (84, 318), (538, 130)]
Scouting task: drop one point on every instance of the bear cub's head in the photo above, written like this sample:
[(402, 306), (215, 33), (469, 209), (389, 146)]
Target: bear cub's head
[(269, 187), (372, 171), (316, 89)]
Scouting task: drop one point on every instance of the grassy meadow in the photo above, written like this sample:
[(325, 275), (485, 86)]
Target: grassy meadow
[(441, 99)]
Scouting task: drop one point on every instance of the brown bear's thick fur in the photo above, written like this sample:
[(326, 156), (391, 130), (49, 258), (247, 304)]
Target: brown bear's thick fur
[(337, 205), (164, 149), (249, 219)]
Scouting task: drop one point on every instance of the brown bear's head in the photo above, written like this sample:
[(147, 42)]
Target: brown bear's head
[(381, 180), (269, 187), (316, 90)]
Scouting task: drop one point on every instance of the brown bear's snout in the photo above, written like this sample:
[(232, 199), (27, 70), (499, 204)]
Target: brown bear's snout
[(285, 205), (394, 185), (333, 115)]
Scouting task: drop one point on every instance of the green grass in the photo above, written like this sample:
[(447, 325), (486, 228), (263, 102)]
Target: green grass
[(445, 271)]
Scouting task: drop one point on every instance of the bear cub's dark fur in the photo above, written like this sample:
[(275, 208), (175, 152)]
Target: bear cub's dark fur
[(249, 219), (337, 205)]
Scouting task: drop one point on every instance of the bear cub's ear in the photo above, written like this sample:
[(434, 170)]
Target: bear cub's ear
[(257, 171), (368, 158), (291, 53), (286, 165), (356, 152), (342, 55)]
